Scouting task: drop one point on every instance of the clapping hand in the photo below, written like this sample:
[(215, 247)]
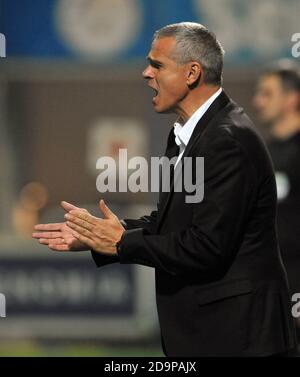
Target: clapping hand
[(59, 236), (100, 234)]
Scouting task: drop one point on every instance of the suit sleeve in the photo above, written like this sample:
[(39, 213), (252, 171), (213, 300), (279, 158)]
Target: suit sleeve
[(146, 222), (209, 245)]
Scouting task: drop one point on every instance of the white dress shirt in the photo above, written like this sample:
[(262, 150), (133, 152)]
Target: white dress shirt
[(183, 132)]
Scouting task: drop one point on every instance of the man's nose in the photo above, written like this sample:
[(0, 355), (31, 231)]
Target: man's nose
[(148, 73)]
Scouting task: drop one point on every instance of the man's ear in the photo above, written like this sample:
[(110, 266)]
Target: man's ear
[(194, 74)]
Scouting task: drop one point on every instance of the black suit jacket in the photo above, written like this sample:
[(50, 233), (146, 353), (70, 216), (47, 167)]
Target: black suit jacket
[(221, 287)]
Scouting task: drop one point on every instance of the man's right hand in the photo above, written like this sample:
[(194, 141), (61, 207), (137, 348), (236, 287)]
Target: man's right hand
[(58, 236)]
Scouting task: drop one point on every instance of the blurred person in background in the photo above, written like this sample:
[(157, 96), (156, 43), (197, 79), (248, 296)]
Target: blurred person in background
[(277, 101), (221, 288)]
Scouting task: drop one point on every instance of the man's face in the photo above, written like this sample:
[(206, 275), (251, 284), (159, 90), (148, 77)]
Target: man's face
[(270, 98), (165, 76)]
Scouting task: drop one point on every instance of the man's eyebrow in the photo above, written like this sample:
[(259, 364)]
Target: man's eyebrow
[(153, 61)]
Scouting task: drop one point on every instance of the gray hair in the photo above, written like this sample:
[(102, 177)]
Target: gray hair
[(194, 42)]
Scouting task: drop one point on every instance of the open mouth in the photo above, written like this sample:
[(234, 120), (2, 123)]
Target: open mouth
[(155, 93)]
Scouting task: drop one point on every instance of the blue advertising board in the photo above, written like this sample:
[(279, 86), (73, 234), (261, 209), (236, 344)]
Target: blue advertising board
[(121, 30)]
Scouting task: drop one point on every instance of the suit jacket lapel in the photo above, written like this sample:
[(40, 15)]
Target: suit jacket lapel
[(221, 101), (171, 151)]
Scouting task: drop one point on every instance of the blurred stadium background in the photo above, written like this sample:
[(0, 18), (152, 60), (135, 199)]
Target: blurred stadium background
[(71, 91)]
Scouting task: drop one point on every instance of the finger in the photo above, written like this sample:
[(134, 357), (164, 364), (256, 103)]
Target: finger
[(57, 241), (84, 215), (108, 214), (59, 247), (54, 241), (79, 229), (68, 206), (53, 226), (37, 235), (71, 233), (44, 241), (46, 235), (81, 218), (85, 240)]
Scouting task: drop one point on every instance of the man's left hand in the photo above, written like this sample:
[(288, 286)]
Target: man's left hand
[(101, 235)]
